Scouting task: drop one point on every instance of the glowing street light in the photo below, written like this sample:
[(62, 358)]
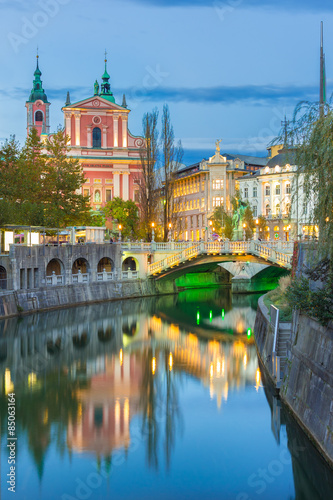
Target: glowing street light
[(120, 228), (244, 235), (152, 231), (153, 366), (170, 233)]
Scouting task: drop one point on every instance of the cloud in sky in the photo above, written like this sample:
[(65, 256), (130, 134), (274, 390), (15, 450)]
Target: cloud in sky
[(252, 94), (263, 95), (309, 5)]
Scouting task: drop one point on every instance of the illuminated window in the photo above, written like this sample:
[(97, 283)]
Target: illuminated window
[(97, 196), (86, 192), (268, 210), (217, 183), (288, 188), (277, 189), (267, 190), (217, 201), (277, 209)]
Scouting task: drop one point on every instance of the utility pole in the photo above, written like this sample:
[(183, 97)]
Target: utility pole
[(322, 87)]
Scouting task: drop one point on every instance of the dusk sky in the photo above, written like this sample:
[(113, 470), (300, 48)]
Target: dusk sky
[(228, 70)]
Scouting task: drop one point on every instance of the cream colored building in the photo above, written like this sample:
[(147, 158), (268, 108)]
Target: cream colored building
[(201, 187), (276, 193)]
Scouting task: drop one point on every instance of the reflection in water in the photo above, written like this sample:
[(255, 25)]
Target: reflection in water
[(90, 380)]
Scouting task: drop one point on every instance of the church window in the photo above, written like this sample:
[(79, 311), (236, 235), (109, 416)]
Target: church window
[(97, 137), (38, 116)]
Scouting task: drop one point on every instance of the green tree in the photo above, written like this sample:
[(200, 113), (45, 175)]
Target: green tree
[(147, 180), (62, 180), (125, 213), (222, 223), (31, 169), (249, 222), (9, 170)]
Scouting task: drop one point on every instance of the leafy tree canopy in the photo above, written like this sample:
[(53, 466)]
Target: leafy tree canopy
[(125, 213)]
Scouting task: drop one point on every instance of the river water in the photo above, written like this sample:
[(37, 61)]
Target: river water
[(157, 398)]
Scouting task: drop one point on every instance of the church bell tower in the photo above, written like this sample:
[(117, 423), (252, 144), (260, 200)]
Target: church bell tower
[(38, 115)]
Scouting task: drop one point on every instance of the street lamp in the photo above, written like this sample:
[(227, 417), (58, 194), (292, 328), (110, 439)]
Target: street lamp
[(120, 228), (152, 231), (257, 232), (170, 233), (244, 235), (210, 226)]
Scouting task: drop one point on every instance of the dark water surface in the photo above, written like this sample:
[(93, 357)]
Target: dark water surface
[(158, 398)]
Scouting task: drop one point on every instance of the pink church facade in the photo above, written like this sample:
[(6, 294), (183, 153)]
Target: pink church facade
[(99, 137)]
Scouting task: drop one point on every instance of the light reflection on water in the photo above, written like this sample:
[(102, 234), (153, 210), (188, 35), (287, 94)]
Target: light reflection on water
[(143, 392)]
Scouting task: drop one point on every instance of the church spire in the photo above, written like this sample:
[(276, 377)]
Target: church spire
[(106, 87), (37, 91)]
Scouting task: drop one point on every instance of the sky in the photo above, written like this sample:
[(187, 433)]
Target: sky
[(228, 70)]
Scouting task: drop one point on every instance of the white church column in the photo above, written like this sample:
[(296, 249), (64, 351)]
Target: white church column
[(77, 129), (89, 137), (125, 186), (68, 124), (115, 130), (124, 128), (116, 185), (104, 137)]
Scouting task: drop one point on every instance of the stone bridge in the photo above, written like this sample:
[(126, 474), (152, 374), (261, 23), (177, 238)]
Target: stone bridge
[(242, 259), (25, 267)]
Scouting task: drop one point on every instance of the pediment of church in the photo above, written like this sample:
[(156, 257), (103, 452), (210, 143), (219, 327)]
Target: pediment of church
[(95, 102)]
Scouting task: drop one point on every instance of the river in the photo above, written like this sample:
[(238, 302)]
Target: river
[(153, 398)]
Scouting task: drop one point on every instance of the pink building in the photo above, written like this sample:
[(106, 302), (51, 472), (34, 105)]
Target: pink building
[(99, 138)]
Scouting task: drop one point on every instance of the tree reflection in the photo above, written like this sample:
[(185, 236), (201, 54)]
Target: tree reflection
[(159, 406)]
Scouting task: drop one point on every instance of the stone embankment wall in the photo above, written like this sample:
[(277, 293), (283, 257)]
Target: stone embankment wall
[(307, 386), (26, 301)]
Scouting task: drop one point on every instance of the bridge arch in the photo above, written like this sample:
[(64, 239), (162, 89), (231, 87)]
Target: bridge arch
[(130, 264), (3, 278), (106, 264), (56, 266), (81, 265)]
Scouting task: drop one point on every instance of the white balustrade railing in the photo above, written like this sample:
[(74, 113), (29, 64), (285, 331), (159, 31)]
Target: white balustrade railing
[(80, 277), (55, 279)]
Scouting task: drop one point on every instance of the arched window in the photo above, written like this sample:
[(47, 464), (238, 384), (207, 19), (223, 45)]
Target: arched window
[(97, 138), (288, 208), (97, 196), (277, 209), (268, 210), (38, 116)]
